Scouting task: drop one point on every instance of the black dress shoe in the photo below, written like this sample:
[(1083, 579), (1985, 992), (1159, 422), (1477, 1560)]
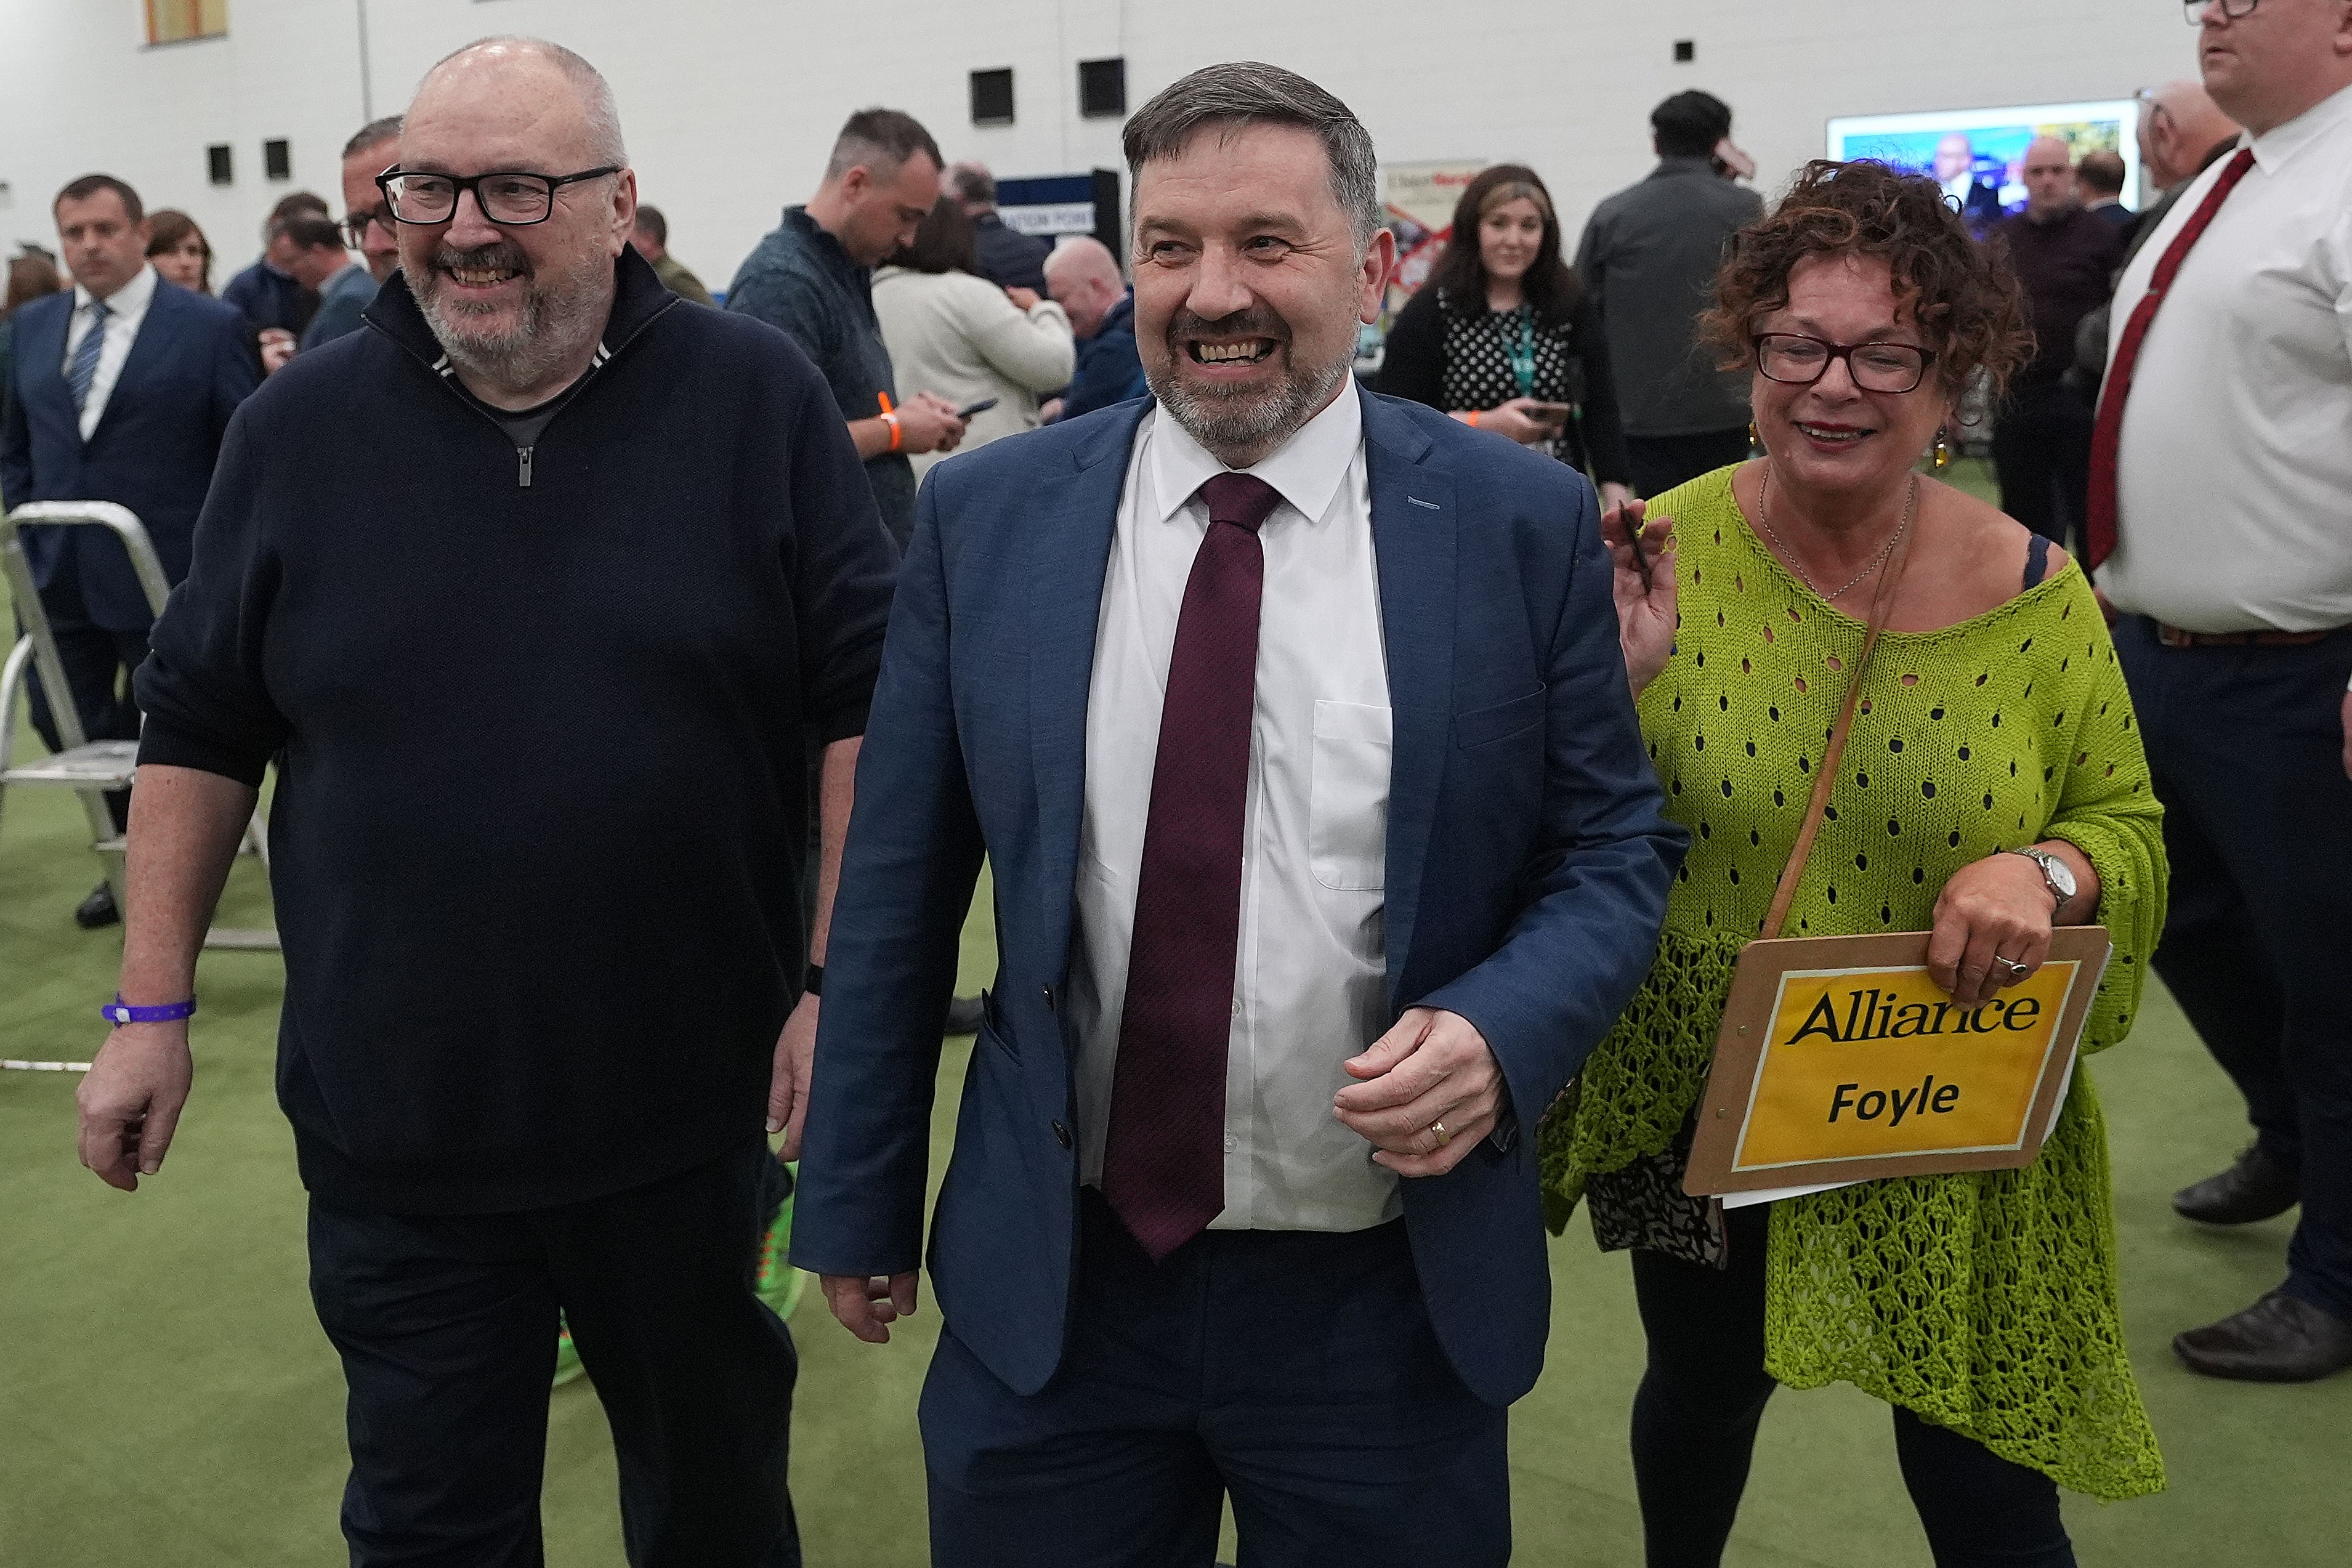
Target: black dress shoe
[(964, 1015), (2279, 1338), (98, 909), (2256, 1187)]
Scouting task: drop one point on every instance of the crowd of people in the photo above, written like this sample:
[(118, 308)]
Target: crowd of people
[(1380, 777)]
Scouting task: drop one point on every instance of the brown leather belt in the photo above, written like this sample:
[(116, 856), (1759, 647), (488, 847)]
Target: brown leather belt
[(2173, 636)]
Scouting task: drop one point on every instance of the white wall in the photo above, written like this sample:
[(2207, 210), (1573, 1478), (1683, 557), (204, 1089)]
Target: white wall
[(731, 105)]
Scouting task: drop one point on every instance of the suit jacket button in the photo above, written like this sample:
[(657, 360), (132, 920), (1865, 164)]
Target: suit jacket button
[(1061, 1133), (1048, 992)]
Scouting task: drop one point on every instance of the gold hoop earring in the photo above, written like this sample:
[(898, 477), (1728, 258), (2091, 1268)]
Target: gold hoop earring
[(1753, 443), (1943, 452)]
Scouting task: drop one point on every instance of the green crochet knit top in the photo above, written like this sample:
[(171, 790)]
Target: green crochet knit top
[(1986, 1302)]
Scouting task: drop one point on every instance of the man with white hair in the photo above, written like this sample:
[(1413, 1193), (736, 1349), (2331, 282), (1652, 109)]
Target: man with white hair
[(1084, 280), (538, 830)]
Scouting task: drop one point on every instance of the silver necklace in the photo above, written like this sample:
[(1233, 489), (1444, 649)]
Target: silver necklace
[(1764, 516)]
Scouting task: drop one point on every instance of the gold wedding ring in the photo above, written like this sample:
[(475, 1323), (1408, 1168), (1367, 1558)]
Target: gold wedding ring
[(1443, 1135)]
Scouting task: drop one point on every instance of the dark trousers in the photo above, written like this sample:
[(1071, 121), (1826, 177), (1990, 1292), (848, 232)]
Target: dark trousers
[(2247, 748), (2042, 455), (1661, 462), (1695, 1415), (1295, 1371), (447, 1329), (98, 663)]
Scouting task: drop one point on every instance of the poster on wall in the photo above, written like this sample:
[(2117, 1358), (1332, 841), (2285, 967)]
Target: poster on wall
[(1419, 199), (1979, 154)]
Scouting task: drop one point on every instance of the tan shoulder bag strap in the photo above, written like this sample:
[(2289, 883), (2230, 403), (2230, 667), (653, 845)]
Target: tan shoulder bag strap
[(1881, 605)]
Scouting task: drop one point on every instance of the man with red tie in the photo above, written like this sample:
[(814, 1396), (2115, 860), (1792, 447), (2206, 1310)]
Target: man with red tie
[(2220, 494), (1293, 724)]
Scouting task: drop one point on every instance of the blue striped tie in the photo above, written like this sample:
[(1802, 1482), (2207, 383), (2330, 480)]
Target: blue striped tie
[(84, 368)]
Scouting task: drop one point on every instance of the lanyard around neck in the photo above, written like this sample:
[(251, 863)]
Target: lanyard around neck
[(1523, 352)]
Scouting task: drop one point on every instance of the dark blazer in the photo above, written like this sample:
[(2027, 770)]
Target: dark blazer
[(1528, 866), (1006, 257), (153, 451)]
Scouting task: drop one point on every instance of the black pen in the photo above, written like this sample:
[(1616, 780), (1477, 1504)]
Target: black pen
[(1634, 527)]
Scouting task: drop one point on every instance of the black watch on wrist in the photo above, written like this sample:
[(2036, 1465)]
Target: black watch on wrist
[(814, 984)]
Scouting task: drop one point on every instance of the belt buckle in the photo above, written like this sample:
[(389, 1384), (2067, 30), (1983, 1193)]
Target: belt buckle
[(2173, 636)]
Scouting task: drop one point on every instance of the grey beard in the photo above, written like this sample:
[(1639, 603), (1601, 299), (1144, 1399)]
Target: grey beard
[(1241, 426), (558, 319)]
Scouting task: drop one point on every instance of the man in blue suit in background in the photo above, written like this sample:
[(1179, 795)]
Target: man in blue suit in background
[(121, 391), (1293, 724)]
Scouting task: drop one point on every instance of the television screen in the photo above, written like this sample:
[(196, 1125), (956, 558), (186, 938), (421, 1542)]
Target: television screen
[(1977, 153)]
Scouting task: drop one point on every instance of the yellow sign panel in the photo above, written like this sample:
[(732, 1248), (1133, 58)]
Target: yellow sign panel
[(1839, 1060), (1864, 1062)]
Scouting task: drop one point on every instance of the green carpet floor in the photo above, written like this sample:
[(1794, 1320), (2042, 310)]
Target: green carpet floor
[(166, 1396)]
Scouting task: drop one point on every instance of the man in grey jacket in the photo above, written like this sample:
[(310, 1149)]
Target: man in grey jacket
[(1649, 257)]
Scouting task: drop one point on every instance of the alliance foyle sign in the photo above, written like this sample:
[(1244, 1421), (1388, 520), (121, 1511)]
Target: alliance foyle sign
[(1840, 1059)]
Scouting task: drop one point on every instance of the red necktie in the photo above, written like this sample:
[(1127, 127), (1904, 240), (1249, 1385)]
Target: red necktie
[(1164, 1151), (2107, 435)]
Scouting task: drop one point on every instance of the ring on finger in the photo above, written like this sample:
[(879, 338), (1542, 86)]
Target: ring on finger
[(2015, 968), (1443, 1137)]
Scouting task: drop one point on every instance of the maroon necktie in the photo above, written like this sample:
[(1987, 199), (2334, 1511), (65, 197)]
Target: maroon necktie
[(2107, 435), (1164, 1151)]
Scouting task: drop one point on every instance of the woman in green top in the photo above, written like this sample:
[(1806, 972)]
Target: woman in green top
[(1993, 720)]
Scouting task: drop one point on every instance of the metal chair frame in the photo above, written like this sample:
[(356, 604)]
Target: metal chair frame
[(88, 768)]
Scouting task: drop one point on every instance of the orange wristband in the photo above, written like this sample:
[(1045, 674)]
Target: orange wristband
[(1473, 419), (897, 435)]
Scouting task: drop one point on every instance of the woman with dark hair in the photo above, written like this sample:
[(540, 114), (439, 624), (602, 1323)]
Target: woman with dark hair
[(1502, 336), (958, 336), (178, 250), (1992, 787)]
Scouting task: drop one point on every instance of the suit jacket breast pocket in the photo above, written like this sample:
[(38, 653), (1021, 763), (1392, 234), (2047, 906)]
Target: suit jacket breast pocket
[(1502, 722), (1347, 795)]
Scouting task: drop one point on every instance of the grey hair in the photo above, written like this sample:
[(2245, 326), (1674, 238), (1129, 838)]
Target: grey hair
[(881, 140), (603, 114), (1245, 92), (374, 133)]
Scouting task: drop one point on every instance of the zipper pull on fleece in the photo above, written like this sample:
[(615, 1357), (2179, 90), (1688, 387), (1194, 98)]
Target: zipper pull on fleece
[(522, 457)]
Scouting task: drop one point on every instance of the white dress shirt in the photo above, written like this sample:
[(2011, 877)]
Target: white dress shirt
[(1308, 972), (126, 308), (2235, 484)]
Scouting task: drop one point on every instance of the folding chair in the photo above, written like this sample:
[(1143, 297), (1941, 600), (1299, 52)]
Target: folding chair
[(88, 768)]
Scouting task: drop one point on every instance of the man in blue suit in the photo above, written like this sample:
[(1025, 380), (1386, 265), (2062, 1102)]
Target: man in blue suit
[(1293, 724), (120, 392)]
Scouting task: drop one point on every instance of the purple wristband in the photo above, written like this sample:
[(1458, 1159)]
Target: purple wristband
[(118, 1012)]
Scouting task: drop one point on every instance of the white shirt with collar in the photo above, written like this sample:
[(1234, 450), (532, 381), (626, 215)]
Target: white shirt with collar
[(1311, 962), (126, 309), (2234, 481)]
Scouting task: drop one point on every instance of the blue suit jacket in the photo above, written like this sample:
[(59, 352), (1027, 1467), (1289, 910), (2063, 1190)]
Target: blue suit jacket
[(190, 367), (1527, 864)]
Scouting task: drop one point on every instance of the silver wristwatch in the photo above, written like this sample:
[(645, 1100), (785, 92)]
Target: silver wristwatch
[(2057, 876)]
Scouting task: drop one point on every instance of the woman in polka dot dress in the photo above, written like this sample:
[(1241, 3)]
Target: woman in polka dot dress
[(1503, 336), (1994, 719)]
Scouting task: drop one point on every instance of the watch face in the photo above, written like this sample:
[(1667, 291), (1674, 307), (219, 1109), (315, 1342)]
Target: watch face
[(2059, 873)]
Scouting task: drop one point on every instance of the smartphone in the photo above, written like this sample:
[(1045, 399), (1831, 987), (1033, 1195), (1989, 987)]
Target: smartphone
[(1549, 413), (982, 407)]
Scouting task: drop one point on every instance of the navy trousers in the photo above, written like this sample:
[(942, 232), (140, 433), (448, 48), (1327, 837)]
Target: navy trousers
[(2247, 747), (446, 1328), (2042, 455), (1295, 1371)]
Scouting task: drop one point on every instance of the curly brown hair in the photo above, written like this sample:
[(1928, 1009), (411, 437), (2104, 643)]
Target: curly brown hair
[(1963, 294)]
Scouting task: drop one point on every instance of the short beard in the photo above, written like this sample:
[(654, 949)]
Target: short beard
[(560, 316), (1241, 426)]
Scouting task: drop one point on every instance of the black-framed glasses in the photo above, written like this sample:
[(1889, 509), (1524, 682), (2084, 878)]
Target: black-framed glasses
[(1796, 360), (355, 227), (510, 196), (2233, 9)]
